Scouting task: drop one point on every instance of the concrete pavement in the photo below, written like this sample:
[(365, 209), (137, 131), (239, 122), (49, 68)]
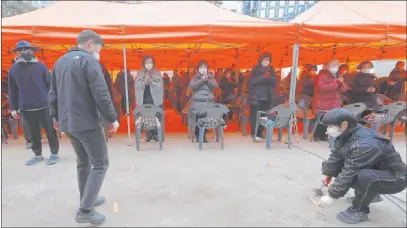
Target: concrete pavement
[(243, 185)]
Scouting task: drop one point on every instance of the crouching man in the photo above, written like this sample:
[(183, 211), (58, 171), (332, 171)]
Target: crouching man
[(362, 160)]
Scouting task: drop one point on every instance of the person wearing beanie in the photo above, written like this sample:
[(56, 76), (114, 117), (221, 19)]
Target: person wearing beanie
[(261, 85), (362, 160)]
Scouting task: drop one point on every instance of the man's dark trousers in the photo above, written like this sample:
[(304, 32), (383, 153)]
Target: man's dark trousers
[(35, 119), (92, 163)]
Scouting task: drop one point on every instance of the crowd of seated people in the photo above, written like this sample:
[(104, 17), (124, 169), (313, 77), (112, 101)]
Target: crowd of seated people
[(264, 88)]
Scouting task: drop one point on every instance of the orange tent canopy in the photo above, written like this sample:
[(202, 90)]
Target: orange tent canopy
[(174, 32), (353, 22), (148, 22), (178, 34)]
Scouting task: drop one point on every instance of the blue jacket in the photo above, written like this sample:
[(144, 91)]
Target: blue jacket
[(29, 83)]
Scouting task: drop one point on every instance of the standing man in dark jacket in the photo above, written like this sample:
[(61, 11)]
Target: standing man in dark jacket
[(261, 84), (29, 83), (362, 160), (78, 96), (363, 87)]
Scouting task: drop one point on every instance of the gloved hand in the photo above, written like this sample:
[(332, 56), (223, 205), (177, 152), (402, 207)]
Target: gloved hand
[(14, 114), (115, 126), (326, 200)]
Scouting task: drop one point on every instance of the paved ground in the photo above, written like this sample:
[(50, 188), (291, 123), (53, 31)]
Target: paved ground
[(182, 186)]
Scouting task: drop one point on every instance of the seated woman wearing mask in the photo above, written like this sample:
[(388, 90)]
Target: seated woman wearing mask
[(363, 87), (149, 89), (327, 92), (202, 84)]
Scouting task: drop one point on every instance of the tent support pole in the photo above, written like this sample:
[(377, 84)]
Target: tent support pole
[(127, 94), (237, 68), (296, 52)]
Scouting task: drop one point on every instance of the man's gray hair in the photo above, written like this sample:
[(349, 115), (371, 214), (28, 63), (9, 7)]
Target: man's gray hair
[(87, 35)]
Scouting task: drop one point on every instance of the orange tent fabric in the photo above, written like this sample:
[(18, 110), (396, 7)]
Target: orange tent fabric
[(353, 22), (206, 32), (148, 22)]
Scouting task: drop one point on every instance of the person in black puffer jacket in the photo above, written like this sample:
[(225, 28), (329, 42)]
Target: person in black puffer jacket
[(261, 84), (363, 87), (363, 160), (202, 84)]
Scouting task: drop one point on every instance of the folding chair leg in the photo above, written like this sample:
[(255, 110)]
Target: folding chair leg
[(280, 134), (289, 140), (201, 136), (306, 128), (269, 136), (138, 133), (255, 132), (160, 137), (221, 134), (217, 132)]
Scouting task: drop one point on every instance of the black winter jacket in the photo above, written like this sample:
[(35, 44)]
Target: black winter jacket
[(78, 93), (358, 93), (357, 149), (260, 86)]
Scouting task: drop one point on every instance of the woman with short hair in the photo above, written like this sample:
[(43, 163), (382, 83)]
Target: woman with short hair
[(149, 89), (202, 84)]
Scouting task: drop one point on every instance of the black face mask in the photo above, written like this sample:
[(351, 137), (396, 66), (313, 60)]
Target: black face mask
[(27, 56)]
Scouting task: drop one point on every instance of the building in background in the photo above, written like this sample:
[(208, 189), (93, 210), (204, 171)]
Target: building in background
[(40, 4), (276, 10)]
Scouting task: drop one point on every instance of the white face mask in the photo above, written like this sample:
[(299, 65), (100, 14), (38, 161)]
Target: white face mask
[(367, 70), (265, 63), (334, 131), (203, 70), (333, 70), (371, 71), (96, 55), (149, 66)]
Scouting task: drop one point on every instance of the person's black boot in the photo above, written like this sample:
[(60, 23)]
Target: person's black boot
[(352, 216)]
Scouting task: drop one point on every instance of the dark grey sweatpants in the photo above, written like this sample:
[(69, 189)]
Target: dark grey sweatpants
[(369, 183), (92, 163)]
